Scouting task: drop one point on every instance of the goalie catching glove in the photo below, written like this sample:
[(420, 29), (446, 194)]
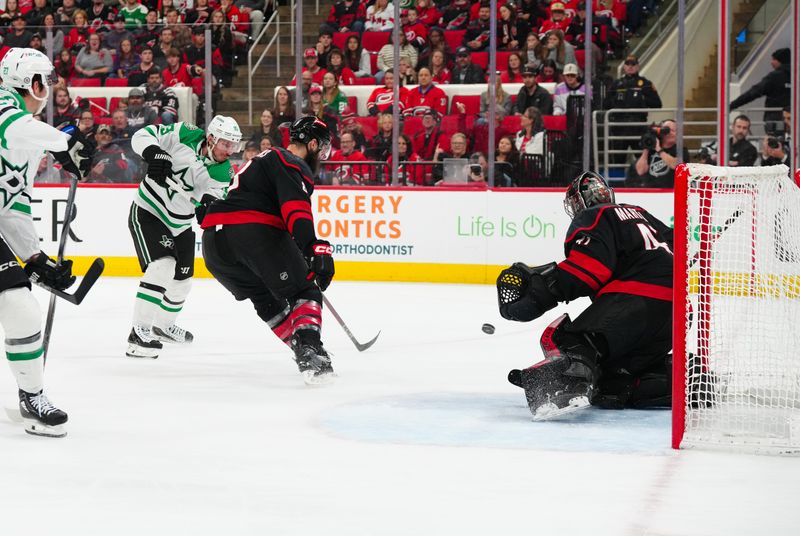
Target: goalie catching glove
[(159, 164), (525, 293), (320, 263), (44, 270), (77, 159)]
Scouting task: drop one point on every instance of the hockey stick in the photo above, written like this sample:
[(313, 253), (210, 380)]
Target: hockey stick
[(361, 347), (89, 279), (730, 221)]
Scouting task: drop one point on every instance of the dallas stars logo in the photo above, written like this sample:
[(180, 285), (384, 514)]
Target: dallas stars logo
[(167, 242), (13, 180), (180, 177)]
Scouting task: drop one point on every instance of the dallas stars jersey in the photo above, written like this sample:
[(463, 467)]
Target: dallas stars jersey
[(197, 174), (23, 142)]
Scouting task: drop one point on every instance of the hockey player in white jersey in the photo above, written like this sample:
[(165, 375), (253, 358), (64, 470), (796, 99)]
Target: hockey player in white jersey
[(27, 75), (186, 170)]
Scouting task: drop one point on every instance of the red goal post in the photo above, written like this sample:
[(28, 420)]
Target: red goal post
[(736, 350)]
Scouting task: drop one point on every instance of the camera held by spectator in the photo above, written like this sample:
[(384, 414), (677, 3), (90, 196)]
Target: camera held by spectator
[(652, 137)]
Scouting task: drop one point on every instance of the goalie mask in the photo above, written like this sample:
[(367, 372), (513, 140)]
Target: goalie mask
[(587, 190), (227, 138), (20, 67)]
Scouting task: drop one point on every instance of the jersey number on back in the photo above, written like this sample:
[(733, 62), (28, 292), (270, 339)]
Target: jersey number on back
[(650, 240)]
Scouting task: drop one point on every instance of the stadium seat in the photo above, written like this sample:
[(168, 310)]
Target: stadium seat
[(373, 62), (555, 122), (84, 82), (114, 103), (374, 41), (502, 60), (580, 57), (480, 58), (412, 125), (116, 82), (369, 126), (98, 106), (365, 81), (454, 38), (472, 103), (450, 125), (340, 39), (512, 123), (352, 103)]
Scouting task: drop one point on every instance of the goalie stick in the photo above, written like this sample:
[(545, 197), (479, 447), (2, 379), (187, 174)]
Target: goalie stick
[(360, 346)]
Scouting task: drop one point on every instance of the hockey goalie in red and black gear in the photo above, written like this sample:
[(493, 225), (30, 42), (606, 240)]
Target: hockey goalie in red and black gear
[(616, 353), (259, 243)]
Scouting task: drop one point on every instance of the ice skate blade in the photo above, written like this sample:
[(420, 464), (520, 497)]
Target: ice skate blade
[(137, 351), (317, 379), (550, 411), (34, 427)]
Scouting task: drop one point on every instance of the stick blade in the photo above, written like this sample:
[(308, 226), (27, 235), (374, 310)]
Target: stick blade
[(92, 275), (361, 347)]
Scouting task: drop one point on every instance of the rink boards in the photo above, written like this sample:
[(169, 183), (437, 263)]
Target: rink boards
[(437, 235)]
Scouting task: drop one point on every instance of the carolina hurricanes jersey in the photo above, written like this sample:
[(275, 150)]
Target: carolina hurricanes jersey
[(418, 101), (382, 98), (197, 174), (617, 248), (273, 188), (23, 142)]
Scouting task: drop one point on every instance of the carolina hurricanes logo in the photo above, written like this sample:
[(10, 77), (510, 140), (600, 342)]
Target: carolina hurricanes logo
[(384, 98)]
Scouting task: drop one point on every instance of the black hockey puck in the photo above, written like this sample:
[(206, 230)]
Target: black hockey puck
[(488, 329)]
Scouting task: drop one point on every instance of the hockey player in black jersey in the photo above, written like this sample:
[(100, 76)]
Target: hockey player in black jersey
[(260, 243), (616, 353)]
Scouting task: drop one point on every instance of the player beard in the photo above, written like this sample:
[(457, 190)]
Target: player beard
[(312, 159)]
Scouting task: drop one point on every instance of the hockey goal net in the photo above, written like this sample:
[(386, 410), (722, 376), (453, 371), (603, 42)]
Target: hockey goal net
[(736, 351)]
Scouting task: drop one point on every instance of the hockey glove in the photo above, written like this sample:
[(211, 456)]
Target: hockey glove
[(77, 159), (42, 269), (320, 263), (525, 293), (159, 164), (202, 207)]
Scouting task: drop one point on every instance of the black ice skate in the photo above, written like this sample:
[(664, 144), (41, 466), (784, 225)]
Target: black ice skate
[(551, 394), (173, 334), (39, 416), (314, 363), (142, 343)]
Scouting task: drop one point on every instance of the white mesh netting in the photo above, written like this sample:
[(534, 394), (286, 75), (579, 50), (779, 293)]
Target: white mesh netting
[(742, 384)]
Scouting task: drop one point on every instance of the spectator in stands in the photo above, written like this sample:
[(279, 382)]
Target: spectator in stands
[(426, 140), (478, 166), (386, 55), (506, 164), (195, 56), (10, 12), (318, 109), (164, 45), (572, 85), (381, 144), (655, 167), (109, 162), (78, 35), (149, 33), (778, 149), (630, 91), (126, 60), (532, 94), (410, 171), (346, 16), (240, 22), (742, 152), (426, 96), (379, 17), (548, 73), (466, 72), (478, 30), (66, 110), (138, 75), (439, 71), (456, 15), (94, 61), (336, 65), (557, 21), (332, 96), (138, 114), (266, 127), (266, 143), (775, 87), (113, 39), (434, 41), (98, 14), (177, 73), (254, 11), (36, 43), (348, 174), (381, 100), (458, 149), (349, 124), (510, 30), (19, 36), (530, 139), (198, 14), (324, 47), (356, 58), (134, 13), (514, 69), (58, 35), (160, 98), (222, 40), (181, 33), (35, 17), (407, 74), (559, 50), (306, 81), (502, 100), (312, 65), (415, 30), (65, 66), (251, 149), (427, 13), (86, 123), (284, 111), (120, 129)]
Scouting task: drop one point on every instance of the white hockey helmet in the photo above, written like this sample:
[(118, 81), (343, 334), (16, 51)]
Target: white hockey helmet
[(19, 67), (225, 128)]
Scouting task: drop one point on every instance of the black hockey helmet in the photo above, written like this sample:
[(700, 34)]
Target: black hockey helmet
[(587, 190), (308, 128)]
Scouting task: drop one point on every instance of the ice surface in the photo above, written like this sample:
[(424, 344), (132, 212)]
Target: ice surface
[(421, 434)]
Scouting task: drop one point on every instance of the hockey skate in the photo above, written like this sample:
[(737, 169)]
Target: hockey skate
[(314, 363), (39, 416), (173, 334), (142, 343), (549, 392)]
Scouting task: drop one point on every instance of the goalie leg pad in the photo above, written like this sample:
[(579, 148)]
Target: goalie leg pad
[(650, 389), (21, 319), (525, 293)]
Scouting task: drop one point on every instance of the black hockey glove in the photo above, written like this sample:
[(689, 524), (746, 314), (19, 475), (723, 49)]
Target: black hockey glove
[(77, 159), (200, 210), (525, 293), (159, 164), (42, 269), (320, 263)]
